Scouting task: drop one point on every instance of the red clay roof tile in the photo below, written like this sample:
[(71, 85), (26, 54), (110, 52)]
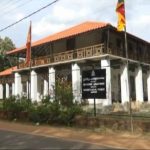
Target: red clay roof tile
[(8, 71), (81, 28)]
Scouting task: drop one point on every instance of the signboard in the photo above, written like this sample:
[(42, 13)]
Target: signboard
[(94, 84)]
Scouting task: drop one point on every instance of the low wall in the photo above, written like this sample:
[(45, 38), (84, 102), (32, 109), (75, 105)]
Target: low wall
[(112, 123)]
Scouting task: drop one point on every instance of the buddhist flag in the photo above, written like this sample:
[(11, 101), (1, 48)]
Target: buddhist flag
[(120, 9), (28, 46)]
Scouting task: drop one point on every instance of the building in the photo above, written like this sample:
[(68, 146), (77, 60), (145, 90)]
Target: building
[(66, 54)]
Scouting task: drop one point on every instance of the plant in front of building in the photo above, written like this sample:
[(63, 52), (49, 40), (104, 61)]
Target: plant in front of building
[(16, 107), (39, 114), (44, 113), (68, 108), (67, 114), (11, 107), (45, 100), (63, 92), (1, 105)]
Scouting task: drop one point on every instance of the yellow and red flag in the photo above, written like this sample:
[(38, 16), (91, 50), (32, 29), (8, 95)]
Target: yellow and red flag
[(28, 46), (120, 9)]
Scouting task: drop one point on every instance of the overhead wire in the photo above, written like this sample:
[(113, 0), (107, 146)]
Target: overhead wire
[(8, 4), (4, 2), (31, 14), (19, 6)]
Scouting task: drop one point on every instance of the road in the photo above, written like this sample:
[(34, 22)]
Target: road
[(16, 140)]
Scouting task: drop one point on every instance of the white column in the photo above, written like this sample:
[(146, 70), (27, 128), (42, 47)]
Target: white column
[(33, 86), (148, 85), (124, 84), (13, 88), (76, 82), (139, 84), (52, 83), (18, 84), (45, 92), (105, 64), (7, 90), (1, 91)]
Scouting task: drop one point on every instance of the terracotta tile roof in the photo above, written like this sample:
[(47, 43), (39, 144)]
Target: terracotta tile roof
[(81, 28), (8, 71)]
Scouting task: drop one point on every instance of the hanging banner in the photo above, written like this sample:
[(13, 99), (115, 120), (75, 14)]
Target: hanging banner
[(94, 84)]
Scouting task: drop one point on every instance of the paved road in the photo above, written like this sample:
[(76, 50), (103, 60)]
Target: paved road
[(15, 140)]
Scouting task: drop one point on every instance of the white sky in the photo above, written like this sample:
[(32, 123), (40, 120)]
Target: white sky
[(67, 13)]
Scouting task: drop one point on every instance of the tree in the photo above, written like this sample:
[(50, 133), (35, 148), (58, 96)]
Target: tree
[(6, 44)]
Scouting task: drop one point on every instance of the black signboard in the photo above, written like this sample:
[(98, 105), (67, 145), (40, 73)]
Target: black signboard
[(94, 84)]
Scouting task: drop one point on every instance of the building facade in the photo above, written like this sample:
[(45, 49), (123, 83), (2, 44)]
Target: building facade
[(65, 55)]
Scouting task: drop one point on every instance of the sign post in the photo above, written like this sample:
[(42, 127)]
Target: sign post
[(94, 85)]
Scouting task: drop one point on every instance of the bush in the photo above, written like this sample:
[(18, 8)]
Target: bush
[(1, 105), (46, 100), (64, 93), (14, 105), (60, 111), (67, 115), (38, 114), (54, 112), (44, 113), (33, 115)]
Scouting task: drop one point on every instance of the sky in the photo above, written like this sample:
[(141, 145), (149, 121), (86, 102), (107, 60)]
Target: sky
[(68, 13)]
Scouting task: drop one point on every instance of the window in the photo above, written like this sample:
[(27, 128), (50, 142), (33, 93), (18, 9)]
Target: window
[(130, 46), (119, 43), (71, 44)]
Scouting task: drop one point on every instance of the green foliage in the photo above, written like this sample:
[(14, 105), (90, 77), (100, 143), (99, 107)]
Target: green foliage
[(6, 44), (54, 112), (33, 114), (46, 100), (1, 104), (67, 115), (62, 110), (64, 93), (45, 113), (15, 105)]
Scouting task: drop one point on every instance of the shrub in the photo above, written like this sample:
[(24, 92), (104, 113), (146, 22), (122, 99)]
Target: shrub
[(1, 105), (45, 113), (64, 93), (46, 100), (25, 103), (33, 115), (54, 112), (67, 115), (14, 105)]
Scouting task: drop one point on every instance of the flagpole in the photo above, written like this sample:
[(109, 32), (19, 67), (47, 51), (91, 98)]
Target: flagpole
[(30, 59), (29, 78), (128, 81)]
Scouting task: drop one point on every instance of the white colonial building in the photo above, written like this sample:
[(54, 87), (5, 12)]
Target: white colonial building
[(66, 54)]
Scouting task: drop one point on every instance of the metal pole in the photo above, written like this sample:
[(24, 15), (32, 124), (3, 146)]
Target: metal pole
[(127, 58), (28, 86)]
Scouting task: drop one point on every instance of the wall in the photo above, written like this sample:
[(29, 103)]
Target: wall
[(116, 90), (88, 39), (59, 46), (81, 41)]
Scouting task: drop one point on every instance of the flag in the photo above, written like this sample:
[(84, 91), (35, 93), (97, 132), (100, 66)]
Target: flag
[(120, 9), (28, 46)]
